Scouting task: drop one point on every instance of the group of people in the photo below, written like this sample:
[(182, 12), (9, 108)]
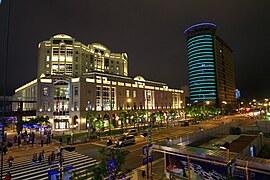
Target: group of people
[(29, 138), (40, 157)]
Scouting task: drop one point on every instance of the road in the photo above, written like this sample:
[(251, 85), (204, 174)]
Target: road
[(134, 159)]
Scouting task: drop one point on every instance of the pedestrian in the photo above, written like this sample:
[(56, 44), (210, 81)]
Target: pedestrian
[(35, 158), (49, 161), (40, 158), (15, 139), (52, 157), (143, 170), (58, 151), (5, 149), (8, 176), (19, 141), (41, 142), (10, 161), (43, 155), (27, 139)]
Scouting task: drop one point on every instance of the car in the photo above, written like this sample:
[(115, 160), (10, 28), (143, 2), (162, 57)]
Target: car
[(124, 140), (185, 123), (131, 132)]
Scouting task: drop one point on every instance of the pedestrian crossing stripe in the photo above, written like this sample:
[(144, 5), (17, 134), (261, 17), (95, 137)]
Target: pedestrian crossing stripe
[(26, 170)]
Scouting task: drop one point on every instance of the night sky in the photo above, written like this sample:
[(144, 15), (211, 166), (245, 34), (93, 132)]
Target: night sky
[(149, 31)]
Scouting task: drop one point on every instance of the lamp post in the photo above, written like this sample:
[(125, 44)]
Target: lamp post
[(223, 104), (69, 149)]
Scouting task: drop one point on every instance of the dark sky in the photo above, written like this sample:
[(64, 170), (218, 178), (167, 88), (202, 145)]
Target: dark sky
[(149, 31)]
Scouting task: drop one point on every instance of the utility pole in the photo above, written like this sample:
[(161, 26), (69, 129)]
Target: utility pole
[(149, 150), (4, 90)]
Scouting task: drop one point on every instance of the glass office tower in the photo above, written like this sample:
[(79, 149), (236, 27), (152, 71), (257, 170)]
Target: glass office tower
[(201, 62), (210, 66)]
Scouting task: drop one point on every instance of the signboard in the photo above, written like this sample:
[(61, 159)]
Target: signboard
[(178, 166), (252, 174), (53, 174), (68, 172)]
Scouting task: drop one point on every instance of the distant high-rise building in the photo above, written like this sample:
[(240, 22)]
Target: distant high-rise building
[(210, 66)]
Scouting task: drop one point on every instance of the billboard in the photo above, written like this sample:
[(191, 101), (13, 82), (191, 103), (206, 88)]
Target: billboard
[(177, 166)]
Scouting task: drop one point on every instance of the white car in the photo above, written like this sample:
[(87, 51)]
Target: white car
[(131, 132), (124, 140)]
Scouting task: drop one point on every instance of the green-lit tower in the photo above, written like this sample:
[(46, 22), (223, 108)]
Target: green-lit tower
[(210, 66)]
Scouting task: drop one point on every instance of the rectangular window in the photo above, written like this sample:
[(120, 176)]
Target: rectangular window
[(45, 91), (98, 98), (76, 91), (127, 93), (134, 94)]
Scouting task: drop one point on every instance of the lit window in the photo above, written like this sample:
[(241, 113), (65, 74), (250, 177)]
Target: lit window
[(48, 58), (127, 93), (47, 65), (45, 91), (117, 68), (134, 94), (76, 91), (45, 106)]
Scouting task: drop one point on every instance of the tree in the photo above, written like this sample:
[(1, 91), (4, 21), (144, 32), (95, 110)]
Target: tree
[(37, 122), (141, 114), (19, 125), (123, 117), (110, 163), (91, 116), (173, 114), (99, 124)]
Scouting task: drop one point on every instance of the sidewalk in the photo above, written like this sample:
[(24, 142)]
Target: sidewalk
[(27, 150)]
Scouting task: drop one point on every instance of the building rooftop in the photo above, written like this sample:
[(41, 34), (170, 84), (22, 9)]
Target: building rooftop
[(243, 141)]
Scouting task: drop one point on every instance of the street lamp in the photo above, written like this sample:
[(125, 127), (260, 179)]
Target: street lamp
[(128, 102), (223, 103)]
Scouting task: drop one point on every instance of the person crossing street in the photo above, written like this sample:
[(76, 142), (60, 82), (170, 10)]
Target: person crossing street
[(35, 158), (10, 161)]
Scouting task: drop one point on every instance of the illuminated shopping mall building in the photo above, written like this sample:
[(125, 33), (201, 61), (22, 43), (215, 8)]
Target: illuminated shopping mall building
[(210, 66), (74, 78)]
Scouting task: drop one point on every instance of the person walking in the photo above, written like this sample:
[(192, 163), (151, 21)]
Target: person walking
[(58, 151), (49, 161), (43, 155), (10, 161), (40, 158), (143, 170), (5, 149), (7, 176), (41, 142), (35, 158), (53, 157), (27, 139)]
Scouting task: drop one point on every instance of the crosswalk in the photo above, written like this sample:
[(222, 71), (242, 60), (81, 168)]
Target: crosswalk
[(26, 170)]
